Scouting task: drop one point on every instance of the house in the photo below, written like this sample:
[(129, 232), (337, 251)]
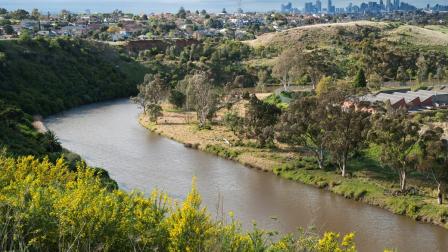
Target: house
[(29, 24), (410, 99)]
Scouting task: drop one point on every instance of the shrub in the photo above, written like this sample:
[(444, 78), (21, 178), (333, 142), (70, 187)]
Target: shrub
[(177, 98)]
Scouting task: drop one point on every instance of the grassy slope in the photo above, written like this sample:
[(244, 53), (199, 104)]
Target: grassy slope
[(322, 34)]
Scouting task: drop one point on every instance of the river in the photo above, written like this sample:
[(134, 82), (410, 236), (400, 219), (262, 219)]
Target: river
[(108, 135)]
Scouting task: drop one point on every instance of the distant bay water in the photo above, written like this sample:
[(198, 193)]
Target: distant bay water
[(149, 6)]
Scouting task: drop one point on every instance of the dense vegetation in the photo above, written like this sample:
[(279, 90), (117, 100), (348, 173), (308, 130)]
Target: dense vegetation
[(45, 76), (45, 207)]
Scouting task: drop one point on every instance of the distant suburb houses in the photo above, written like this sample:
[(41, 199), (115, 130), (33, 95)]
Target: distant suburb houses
[(412, 100)]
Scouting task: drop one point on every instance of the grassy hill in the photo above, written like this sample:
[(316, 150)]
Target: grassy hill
[(379, 48), (323, 34)]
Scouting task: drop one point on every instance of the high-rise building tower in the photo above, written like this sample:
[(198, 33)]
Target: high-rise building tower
[(388, 5), (396, 4), (330, 7), (318, 6)]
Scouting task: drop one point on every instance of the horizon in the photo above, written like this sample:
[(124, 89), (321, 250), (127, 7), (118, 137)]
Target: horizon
[(164, 6)]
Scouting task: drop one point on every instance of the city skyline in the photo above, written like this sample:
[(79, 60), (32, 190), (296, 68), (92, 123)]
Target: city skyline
[(139, 6)]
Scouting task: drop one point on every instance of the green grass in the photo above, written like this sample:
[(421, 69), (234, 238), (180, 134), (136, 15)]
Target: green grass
[(370, 184), (222, 151)]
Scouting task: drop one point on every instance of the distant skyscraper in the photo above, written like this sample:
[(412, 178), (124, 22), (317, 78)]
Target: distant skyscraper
[(388, 5), (330, 7), (318, 6), (396, 4)]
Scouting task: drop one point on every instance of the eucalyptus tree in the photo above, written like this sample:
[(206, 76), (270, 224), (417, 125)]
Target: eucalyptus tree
[(151, 93), (303, 126), (398, 138), (347, 127), (435, 163), (260, 121), (201, 96)]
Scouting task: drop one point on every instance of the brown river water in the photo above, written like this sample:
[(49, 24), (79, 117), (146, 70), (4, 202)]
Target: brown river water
[(108, 135)]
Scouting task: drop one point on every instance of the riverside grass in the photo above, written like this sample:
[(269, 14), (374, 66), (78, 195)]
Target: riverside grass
[(368, 183)]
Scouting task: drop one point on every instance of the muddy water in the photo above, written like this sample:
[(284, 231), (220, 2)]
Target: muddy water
[(108, 135)]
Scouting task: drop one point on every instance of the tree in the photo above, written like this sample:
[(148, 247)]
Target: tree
[(35, 14), (177, 98), (262, 79), (375, 81), (398, 137), (283, 66), (8, 29), (25, 36), (303, 126), (151, 93), (422, 68), (314, 64), (435, 163), (201, 96), (260, 120), (347, 128), (181, 13), (20, 14), (440, 74), (235, 123), (401, 75), (324, 85), (360, 79), (51, 142)]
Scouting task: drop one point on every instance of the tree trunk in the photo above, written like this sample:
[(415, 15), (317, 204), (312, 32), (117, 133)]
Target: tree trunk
[(403, 180), (285, 83), (439, 194), (320, 158), (343, 168)]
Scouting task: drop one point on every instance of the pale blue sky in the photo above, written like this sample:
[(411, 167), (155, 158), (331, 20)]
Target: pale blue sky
[(140, 6)]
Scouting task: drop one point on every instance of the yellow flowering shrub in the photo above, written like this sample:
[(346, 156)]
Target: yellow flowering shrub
[(46, 207)]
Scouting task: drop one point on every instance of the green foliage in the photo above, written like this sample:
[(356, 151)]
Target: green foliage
[(260, 120), (234, 122), (324, 85), (46, 207), (45, 76), (222, 151), (360, 79), (177, 98), (154, 111)]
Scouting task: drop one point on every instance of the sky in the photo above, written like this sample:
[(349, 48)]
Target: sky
[(148, 6)]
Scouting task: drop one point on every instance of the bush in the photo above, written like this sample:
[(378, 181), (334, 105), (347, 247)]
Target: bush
[(45, 207), (222, 151), (177, 98)]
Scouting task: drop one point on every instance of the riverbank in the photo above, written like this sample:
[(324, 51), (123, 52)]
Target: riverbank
[(365, 185)]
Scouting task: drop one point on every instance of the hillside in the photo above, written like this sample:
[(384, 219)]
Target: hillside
[(48, 76), (392, 51), (322, 34)]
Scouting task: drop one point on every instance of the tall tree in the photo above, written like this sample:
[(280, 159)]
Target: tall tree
[(260, 120), (303, 126), (347, 128), (151, 93), (201, 96), (283, 66), (360, 79), (398, 137), (435, 163), (324, 86)]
